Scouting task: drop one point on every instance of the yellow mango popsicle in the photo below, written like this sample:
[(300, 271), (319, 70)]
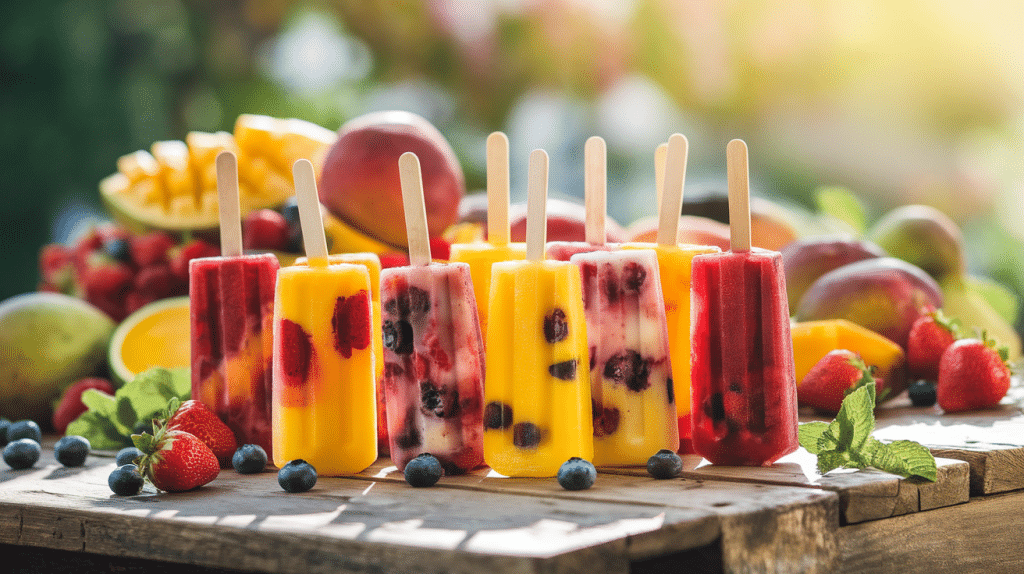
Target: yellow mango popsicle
[(537, 410)]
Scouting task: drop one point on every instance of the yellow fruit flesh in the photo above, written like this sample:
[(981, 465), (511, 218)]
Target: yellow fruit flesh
[(812, 340), (330, 421), (523, 293), (158, 339)]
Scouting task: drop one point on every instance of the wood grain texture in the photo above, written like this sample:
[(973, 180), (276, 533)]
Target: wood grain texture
[(982, 536)]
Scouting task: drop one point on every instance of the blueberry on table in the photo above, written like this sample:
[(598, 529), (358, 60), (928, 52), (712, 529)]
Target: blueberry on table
[(24, 429), (249, 459), (125, 480), (922, 393), (127, 455), (21, 453), (297, 476), (664, 464), (424, 470), (72, 450), (577, 474)]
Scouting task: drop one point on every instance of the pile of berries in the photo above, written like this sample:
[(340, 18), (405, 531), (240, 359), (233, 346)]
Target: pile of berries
[(119, 271)]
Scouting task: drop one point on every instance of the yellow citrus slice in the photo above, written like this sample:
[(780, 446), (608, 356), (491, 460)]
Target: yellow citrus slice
[(157, 335)]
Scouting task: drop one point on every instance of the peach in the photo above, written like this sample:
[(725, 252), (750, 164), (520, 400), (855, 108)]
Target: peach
[(567, 221), (360, 186), (693, 229)]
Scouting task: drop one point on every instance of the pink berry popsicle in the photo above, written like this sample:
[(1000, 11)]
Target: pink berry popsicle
[(537, 410), (743, 379), (632, 396), (674, 267), (324, 398), (433, 352), (480, 256), (595, 188), (232, 304)]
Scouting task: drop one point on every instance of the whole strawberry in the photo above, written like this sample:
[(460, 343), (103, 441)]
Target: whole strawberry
[(930, 336), (197, 419), (973, 374), (174, 460), (837, 374), (71, 406)]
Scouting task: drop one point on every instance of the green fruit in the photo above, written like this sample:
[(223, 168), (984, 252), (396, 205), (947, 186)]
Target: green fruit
[(924, 236), (965, 304), (47, 341)]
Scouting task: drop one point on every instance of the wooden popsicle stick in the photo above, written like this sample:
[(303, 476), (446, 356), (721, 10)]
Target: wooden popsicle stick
[(415, 209), (660, 155), (672, 190), (230, 217), (739, 195), (595, 189), (536, 206), (497, 189), (310, 218)]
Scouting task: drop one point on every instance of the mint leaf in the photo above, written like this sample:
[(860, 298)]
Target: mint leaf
[(905, 458), (150, 390), (101, 432), (847, 441), (808, 434)]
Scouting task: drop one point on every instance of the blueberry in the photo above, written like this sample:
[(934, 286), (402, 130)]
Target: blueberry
[(24, 429), (125, 480), (21, 453), (424, 470), (606, 420), (290, 212), (442, 403), (922, 393), (4, 425), (633, 276), (526, 435), (119, 250), (72, 450), (297, 476), (714, 407), (143, 426), (566, 370), (556, 327), (127, 455), (497, 415), (577, 474), (249, 459), (664, 464), (398, 336), (628, 368)]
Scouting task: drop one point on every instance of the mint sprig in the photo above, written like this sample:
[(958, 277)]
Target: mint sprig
[(846, 442), (110, 419)]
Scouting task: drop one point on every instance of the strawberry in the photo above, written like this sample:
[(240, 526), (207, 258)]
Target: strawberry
[(106, 282), (194, 249), (265, 229), (175, 460), (56, 269), (158, 281), (151, 248), (70, 406), (197, 419), (973, 374), (394, 259), (930, 335), (440, 248), (837, 374)]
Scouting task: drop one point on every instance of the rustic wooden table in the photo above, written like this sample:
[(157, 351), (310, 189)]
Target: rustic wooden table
[(785, 518)]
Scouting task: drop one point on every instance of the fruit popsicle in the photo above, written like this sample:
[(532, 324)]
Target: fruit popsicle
[(595, 188), (324, 405), (537, 409), (498, 247), (433, 352), (231, 301), (743, 382), (372, 263), (674, 262), (633, 399)]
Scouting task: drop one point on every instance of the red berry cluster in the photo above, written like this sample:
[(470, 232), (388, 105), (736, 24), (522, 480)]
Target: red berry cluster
[(119, 271)]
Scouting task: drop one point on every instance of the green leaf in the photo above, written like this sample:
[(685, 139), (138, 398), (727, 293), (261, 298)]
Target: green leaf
[(856, 419), (105, 407), (831, 460), (101, 432), (905, 458), (809, 434), (842, 204)]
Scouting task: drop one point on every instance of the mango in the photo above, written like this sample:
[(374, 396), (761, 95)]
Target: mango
[(47, 341), (807, 259), (884, 294), (923, 236)]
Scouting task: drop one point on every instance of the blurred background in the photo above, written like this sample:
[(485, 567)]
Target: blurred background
[(897, 101)]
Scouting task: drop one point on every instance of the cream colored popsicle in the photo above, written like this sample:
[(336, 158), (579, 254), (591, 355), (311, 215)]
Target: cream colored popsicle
[(537, 396)]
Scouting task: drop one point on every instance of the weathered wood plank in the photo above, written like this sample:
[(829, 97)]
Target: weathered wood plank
[(981, 536)]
